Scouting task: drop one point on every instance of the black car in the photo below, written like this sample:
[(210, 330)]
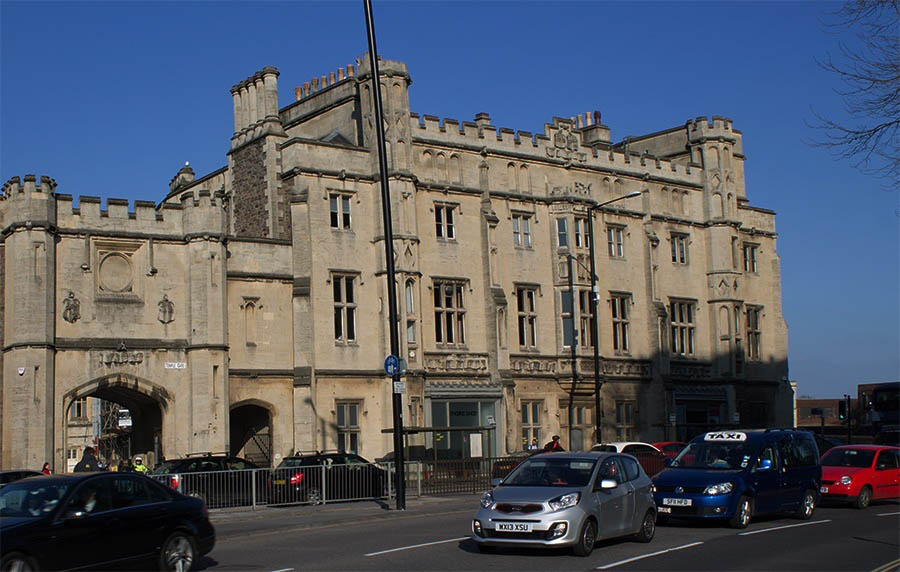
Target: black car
[(323, 477), (89, 520), (218, 480), (11, 475)]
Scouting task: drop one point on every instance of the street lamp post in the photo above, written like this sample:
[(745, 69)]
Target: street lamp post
[(573, 341), (595, 295)]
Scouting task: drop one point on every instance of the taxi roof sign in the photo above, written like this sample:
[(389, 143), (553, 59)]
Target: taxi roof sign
[(725, 436)]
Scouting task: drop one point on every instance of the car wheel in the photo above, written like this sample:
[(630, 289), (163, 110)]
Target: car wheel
[(648, 528), (586, 539), (17, 562), (863, 498), (807, 505), (178, 553), (314, 495), (742, 514)]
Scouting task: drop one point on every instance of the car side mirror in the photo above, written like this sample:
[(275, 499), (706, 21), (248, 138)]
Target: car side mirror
[(668, 462), (496, 482), (765, 465), (608, 484)]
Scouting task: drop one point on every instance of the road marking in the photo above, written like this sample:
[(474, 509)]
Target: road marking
[(888, 567), (626, 561), (888, 514), (417, 546), (283, 570), (782, 527)]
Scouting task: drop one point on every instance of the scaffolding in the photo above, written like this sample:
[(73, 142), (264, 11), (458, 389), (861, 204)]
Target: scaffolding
[(114, 441)]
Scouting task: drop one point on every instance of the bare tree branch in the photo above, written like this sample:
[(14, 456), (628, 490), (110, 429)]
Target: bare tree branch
[(870, 76)]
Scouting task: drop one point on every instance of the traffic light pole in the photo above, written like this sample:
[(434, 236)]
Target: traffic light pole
[(849, 419)]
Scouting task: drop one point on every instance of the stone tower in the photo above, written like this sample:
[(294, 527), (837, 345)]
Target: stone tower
[(259, 207), (28, 213), (717, 147)]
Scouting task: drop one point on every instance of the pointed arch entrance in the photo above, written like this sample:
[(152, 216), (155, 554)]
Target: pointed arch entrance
[(120, 414), (251, 431)]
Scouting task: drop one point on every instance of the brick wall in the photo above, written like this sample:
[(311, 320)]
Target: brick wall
[(251, 213)]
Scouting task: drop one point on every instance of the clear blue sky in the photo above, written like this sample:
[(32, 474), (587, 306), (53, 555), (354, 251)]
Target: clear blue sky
[(111, 98)]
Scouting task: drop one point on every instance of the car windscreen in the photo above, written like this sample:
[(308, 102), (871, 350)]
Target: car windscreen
[(714, 455), (31, 498), (848, 458), (551, 472)]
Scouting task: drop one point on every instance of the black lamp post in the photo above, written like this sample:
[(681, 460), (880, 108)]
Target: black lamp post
[(595, 295), (396, 401)]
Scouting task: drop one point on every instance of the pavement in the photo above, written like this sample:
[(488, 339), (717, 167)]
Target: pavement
[(241, 522)]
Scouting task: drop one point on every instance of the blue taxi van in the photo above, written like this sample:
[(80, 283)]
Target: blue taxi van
[(734, 475)]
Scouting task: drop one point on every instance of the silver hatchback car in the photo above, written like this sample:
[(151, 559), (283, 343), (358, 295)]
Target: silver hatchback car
[(567, 499)]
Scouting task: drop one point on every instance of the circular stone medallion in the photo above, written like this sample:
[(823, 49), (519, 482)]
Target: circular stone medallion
[(115, 273)]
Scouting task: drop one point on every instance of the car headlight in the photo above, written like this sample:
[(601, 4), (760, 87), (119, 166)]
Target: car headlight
[(564, 501), (846, 480), (487, 499), (652, 488), (719, 489)]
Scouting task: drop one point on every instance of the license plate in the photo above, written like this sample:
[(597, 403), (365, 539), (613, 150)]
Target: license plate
[(513, 526), (279, 481), (665, 510), (823, 490), (677, 502)]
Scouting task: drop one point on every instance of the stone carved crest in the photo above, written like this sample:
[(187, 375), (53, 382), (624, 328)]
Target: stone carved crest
[(565, 139), (166, 310), (72, 308), (566, 145)]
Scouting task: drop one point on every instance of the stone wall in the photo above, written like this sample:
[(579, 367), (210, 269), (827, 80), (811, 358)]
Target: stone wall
[(251, 215)]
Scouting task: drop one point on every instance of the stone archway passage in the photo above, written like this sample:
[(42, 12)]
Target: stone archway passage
[(251, 434), (117, 440)]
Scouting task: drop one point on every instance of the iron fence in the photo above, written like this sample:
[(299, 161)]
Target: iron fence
[(321, 484)]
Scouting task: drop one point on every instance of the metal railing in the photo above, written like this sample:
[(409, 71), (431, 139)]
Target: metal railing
[(321, 484)]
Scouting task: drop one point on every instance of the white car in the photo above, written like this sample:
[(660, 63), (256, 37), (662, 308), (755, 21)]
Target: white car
[(628, 447)]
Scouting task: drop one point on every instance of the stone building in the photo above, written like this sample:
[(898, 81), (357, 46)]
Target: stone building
[(245, 310)]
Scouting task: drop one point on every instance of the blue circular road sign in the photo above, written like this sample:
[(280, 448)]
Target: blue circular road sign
[(391, 365)]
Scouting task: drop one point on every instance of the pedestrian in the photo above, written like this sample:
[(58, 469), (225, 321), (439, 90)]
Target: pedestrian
[(46, 469), (139, 466), (534, 445), (553, 445), (88, 462)]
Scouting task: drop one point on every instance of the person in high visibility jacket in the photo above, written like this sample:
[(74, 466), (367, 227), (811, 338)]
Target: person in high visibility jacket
[(139, 466)]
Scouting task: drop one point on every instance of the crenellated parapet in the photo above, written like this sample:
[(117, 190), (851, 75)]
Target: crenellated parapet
[(28, 202), (577, 142), (716, 128), (256, 107), (203, 213), (195, 212)]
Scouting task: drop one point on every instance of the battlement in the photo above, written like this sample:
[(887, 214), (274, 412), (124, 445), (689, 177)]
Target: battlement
[(579, 140), (388, 68), (14, 187), (198, 211), (709, 128)]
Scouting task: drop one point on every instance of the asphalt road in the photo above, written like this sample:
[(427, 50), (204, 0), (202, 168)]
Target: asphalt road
[(432, 534)]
